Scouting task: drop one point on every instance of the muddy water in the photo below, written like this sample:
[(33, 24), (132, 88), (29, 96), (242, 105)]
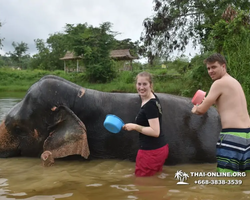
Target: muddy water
[(25, 178)]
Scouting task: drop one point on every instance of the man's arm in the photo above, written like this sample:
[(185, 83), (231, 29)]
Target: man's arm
[(213, 95)]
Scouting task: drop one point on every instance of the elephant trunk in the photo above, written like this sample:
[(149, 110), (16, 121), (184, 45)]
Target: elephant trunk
[(8, 146), (47, 159)]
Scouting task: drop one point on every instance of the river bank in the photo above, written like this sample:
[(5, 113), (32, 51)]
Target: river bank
[(19, 81)]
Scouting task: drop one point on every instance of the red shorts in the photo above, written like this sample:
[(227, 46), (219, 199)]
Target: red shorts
[(149, 162)]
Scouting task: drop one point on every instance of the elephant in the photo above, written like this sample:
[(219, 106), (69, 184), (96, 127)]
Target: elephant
[(60, 118)]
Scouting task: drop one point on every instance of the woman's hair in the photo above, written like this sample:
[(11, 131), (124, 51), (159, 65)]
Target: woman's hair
[(148, 76)]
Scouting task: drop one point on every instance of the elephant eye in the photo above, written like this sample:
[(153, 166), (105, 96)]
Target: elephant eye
[(18, 130)]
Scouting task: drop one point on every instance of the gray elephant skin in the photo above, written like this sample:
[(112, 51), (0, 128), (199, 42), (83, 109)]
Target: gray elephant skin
[(66, 119)]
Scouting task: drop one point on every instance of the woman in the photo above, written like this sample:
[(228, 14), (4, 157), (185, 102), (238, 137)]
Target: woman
[(153, 150)]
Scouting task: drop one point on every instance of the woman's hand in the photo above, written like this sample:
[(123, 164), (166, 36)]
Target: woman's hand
[(129, 127), (152, 130)]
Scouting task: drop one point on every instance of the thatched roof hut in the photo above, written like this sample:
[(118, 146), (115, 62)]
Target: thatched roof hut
[(71, 56), (122, 54)]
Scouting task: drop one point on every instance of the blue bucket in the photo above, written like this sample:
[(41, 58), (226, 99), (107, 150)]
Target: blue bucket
[(113, 123)]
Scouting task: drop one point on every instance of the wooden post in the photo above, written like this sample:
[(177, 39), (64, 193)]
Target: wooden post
[(77, 66)]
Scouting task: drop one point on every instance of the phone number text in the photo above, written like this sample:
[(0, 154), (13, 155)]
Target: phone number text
[(218, 182)]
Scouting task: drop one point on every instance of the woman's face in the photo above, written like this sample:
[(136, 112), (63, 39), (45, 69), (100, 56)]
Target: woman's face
[(143, 86)]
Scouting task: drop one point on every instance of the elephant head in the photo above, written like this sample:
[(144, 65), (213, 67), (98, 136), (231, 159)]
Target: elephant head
[(30, 129)]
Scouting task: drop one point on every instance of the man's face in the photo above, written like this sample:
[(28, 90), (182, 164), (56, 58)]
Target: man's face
[(216, 70)]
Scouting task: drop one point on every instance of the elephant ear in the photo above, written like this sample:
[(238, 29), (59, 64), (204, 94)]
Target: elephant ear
[(67, 135)]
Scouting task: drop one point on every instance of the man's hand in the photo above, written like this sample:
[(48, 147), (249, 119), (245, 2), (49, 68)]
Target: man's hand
[(195, 109)]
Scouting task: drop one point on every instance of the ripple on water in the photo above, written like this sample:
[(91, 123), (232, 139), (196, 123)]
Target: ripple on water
[(6, 105)]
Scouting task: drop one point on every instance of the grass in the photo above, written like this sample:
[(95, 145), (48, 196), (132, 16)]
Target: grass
[(20, 81)]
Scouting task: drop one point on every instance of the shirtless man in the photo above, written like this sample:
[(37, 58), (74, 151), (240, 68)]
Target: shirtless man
[(233, 146)]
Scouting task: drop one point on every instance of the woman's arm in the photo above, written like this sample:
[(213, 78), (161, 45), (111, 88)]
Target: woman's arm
[(152, 130)]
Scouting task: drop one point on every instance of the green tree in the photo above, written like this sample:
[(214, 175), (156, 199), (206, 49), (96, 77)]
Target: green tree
[(2, 63), (177, 22), (41, 59), (1, 39), (231, 37), (95, 44), (49, 52), (19, 53), (58, 45)]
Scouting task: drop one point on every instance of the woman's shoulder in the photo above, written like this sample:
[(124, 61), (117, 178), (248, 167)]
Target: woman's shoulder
[(154, 102)]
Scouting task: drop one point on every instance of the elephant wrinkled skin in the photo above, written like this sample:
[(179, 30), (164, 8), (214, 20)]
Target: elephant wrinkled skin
[(61, 119)]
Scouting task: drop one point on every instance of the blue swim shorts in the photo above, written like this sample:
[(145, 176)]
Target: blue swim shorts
[(233, 150)]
